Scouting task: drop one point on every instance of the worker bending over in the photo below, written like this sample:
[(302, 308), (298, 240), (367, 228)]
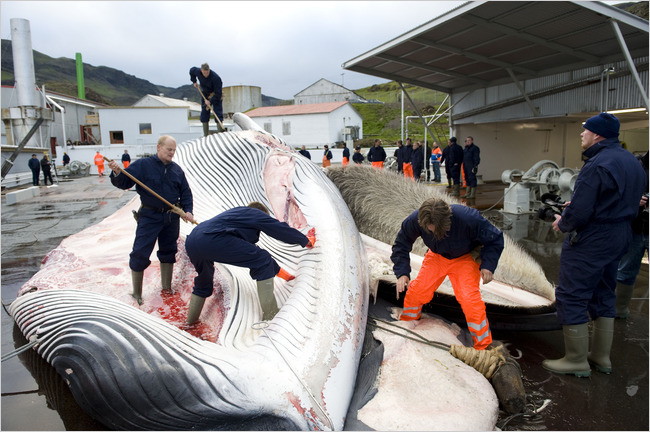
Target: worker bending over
[(451, 232), (229, 238)]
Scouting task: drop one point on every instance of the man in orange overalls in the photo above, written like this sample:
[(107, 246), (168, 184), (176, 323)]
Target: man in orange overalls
[(99, 161), (327, 156), (451, 232)]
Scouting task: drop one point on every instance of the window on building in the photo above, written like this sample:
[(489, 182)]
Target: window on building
[(117, 137), (268, 128), (286, 128), (145, 128)]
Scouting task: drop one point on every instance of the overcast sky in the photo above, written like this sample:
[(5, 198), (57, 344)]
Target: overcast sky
[(282, 47)]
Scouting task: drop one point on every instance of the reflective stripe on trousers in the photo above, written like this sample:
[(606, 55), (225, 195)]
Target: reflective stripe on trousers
[(465, 276)]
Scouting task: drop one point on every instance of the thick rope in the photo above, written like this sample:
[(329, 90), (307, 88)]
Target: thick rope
[(487, 362)]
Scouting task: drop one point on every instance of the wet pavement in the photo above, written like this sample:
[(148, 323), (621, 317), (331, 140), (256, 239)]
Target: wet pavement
[(34, 397)]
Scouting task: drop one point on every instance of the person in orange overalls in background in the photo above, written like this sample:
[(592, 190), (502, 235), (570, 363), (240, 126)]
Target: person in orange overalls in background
[(346, 155), (126, 159), (452, 233), (327, 156), (99, 161), (407, 153), (377, 155)]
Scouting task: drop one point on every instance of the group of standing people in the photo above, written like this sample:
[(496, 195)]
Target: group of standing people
[(455, 157), (36, 166)]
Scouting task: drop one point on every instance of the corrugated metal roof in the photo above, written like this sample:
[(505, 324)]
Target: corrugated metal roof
[(476, 44), (284, 110)]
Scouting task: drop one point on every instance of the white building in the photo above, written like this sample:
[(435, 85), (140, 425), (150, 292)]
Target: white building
[(142, 126), (311, 125), (326, 91), (163, 101)]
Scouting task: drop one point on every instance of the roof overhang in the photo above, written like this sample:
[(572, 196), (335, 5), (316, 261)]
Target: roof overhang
[(485, 43)]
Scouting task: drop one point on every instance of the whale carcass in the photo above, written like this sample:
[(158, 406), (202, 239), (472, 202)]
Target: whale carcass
[(140, 367)]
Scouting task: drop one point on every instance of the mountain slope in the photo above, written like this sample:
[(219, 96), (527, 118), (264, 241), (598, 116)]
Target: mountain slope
[(103, 84)]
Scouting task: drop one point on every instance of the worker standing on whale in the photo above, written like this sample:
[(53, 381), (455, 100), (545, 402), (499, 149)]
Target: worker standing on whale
[(156, 222), (452, 233), (210, 85)]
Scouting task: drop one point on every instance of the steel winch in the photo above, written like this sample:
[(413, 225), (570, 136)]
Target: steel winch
[(525, 190)]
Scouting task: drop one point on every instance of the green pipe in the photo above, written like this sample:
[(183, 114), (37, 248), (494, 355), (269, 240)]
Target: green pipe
[(81, 88)]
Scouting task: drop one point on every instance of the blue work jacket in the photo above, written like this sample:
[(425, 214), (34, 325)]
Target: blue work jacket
[(468, 230), (247, 223), (376, 154), (211, 84), (607, 190), (168, 181), (471, 156)]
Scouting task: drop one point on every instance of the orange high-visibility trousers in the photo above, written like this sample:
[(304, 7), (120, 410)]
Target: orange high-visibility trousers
[(126, 164), (465, 277), (407, 169), (326, 162), (379, 165), (345, 161)]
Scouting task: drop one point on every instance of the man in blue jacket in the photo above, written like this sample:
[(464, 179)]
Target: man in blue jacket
[(417, 160), (454, 161), (156, 222), (598, 225), (471, 159), (35, 165), (211, 86), (229, 238), (452, 233)]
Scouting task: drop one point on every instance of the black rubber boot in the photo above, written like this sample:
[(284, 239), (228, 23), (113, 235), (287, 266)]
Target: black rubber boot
[(576, 345)]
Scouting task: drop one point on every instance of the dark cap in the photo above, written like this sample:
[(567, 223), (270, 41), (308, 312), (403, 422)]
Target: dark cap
[(326, 146), (604, 124), (453, 139)]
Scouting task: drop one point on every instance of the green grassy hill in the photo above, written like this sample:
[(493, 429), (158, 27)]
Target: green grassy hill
[(382, 120)]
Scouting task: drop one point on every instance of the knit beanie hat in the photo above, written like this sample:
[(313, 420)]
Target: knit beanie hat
[(603, 124), (453, 139)]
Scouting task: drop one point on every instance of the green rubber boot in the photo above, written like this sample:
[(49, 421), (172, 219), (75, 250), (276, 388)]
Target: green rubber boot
[(195, 308), (166, 273), (267, 299), (601, 345), (206, 128), (576, 345), (471, 193), (136, 279), (623, 297), (456, 190)]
